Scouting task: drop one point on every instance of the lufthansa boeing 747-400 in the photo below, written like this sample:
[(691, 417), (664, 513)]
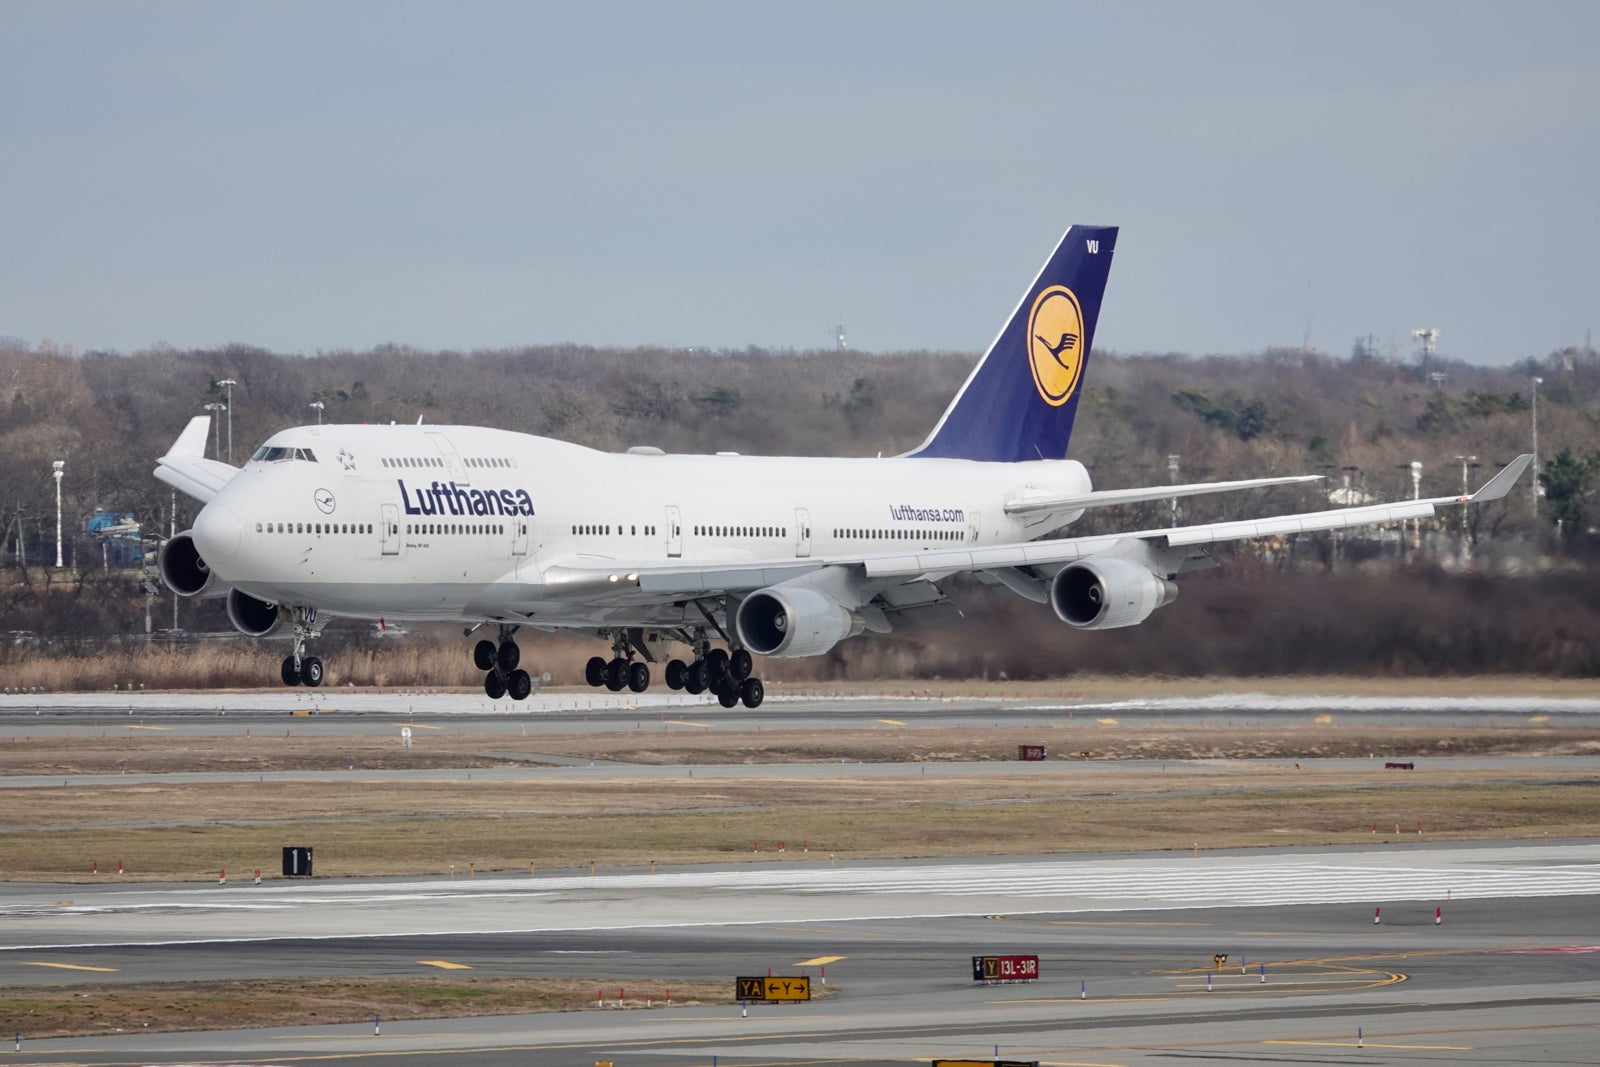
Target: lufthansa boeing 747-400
[(507, 530)]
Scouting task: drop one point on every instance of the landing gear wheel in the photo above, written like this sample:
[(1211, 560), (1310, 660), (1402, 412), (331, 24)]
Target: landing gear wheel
[(716, 664), (694, 679), (311, 672), (675, 673), (752, 692), (519, 685), (638, 677), (483, 655), (508, 656), (728, 695), (494, 686), (290, 675), (594, 672), (740, 664), (617, 675)]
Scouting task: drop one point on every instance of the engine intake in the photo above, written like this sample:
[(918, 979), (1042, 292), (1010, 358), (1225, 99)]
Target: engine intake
[(793, 622), (252, 617), (184, 572), (1103, 594)]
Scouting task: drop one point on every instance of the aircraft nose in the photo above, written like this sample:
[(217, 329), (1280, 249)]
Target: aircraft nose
[(216, 534)]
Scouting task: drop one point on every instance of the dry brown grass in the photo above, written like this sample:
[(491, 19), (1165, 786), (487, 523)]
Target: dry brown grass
[(82, 1010), (1257, 795)]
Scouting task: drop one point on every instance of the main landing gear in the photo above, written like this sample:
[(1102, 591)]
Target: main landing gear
[(723, 673), (504, 677), (299, 668)]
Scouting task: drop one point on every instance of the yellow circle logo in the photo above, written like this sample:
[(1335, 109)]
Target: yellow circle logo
[(1055, 343)]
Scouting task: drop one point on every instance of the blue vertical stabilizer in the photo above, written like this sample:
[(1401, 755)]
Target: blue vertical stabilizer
[(1019, 402)]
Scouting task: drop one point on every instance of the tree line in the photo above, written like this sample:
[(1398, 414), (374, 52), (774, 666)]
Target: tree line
[(1142, 419)]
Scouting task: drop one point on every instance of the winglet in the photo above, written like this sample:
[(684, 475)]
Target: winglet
[(192, 441), (1501, 483)]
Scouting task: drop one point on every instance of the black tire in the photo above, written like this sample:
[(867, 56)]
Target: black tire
[(638, 677), (675, 673), (311, 672), (694, 679), (752, 692), (519, 685), (290, 675), (740, 664), (508, 656), (617, 675), (717, 660), (494, 686), (728, 696), (594, 672), (483, 655)]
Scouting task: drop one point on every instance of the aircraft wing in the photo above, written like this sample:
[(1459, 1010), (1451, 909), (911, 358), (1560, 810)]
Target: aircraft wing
[(708, 578), (1069, 549), (1027, 504), (186, 468)]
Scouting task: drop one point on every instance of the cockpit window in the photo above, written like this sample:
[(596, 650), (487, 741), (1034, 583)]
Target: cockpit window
[(277, 453)]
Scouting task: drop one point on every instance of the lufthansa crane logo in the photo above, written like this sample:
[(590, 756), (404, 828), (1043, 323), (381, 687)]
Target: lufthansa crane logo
[(324, 501), (1056, 344)]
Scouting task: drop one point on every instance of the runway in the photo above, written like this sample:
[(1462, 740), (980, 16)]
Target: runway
[(1483, 953), (1125, 958)]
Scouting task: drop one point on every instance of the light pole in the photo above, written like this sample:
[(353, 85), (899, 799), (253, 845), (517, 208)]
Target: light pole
[(1467, 462), (57, 465), (216, 424), (1416, 494), (228, 384), (1533, 488), (318, 405)]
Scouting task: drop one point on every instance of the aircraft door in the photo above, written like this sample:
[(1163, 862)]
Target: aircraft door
[(802, 531), (974, 522), (452, 458), (389, 530), (674, 532), (519, 535)]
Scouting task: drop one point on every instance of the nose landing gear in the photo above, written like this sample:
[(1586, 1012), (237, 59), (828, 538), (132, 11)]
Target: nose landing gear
[(299, 668)]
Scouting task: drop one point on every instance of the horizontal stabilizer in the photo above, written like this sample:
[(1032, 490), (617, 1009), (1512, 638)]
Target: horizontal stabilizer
[(1033, 505)]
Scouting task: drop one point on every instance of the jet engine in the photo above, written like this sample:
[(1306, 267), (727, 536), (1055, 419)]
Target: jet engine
[(1103, 594), (184, 571), (252, 617), (788, 622)]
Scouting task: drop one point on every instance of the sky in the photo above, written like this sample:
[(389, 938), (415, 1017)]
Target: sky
[(318, 176)]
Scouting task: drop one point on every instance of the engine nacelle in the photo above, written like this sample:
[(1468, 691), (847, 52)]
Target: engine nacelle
[(184, 572), (788, 622), (1103, 594), (252, 617)]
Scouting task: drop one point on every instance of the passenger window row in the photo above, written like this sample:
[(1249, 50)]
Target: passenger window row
[(741, 531), (315, 527), (899, 535), (605, 529), (468, 528)]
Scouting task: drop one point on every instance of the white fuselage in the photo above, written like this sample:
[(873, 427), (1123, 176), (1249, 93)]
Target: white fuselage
[(463, 522)]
